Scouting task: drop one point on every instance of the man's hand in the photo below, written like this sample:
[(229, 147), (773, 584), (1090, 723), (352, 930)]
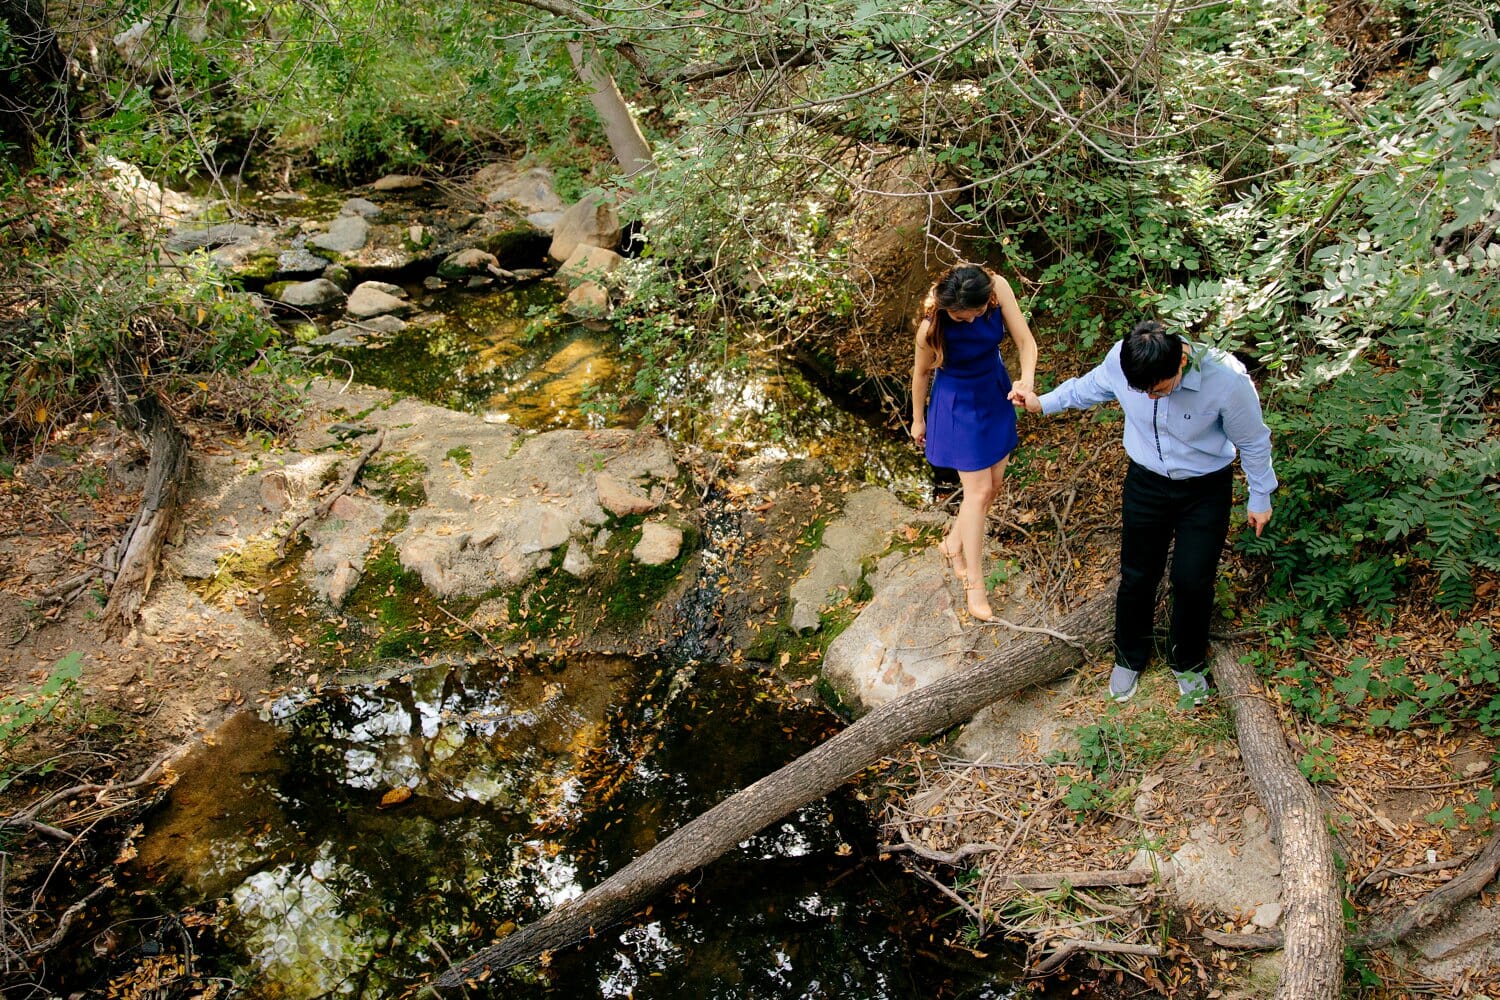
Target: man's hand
[(1024, 395), (1259, 519)]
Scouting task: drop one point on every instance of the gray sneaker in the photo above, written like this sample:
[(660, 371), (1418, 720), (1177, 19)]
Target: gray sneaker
[(1192, 684), (1122, 683)]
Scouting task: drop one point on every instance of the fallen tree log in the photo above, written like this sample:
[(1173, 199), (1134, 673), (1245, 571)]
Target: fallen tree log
[(1310, 889), (1030, 659), (140, 547)]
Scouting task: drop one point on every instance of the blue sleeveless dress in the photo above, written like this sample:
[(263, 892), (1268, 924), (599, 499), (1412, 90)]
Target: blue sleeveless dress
[(970, 423)]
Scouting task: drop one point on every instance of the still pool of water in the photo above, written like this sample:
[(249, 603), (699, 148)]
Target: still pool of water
[(350, 839)]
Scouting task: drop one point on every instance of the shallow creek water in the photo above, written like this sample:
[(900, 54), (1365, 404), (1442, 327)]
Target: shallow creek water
[(353, 839)]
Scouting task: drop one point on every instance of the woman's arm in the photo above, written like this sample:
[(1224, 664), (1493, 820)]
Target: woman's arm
[(923, 360), (1020, 332)]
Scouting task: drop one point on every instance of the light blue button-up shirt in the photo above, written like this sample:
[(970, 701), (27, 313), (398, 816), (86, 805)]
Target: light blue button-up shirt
[(1191, 431)]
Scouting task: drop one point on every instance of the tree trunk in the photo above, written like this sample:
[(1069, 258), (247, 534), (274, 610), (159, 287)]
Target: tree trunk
[(625, 137), (38, 92), (140, 548), (1031, 659), (1313, 928)]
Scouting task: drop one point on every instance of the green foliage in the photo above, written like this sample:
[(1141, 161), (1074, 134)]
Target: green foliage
[(1125, 743), (21, 714), (93, 297)]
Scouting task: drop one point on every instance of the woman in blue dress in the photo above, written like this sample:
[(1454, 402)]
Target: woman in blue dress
[(969, 424)]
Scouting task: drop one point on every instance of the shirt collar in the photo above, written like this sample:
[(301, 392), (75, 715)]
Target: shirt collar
[(1192, 375)]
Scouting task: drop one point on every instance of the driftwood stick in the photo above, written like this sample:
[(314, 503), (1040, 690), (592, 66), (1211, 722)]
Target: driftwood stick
[(321, 510), (1313, 930), (1073, 946), (66, 921), (1269, 941), (927, 710)]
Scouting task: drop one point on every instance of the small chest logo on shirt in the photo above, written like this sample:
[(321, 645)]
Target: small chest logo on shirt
[(1187, 416)]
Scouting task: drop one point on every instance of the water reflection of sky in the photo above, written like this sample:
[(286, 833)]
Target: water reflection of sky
[(529, 781)]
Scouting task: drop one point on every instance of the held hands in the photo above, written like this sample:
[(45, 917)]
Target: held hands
[(1259, 519), (1022, 394)]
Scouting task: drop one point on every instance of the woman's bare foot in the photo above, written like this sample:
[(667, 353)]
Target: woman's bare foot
[(954, 553), (978, 598)]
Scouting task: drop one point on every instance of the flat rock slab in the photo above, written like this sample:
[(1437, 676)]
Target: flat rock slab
[(499, 514), (862, 530), (340, 544), (907, 636), (346, 234), (1470, 939), (1234, 872)]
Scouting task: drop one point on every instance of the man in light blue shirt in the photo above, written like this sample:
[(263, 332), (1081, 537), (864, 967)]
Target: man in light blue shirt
[(1188, 411)]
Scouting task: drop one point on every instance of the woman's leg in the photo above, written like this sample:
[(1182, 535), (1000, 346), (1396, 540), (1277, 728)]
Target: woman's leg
[(980, 487)]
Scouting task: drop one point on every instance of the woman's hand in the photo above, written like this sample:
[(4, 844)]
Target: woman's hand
[(1023, 387), (1022, 395), (919, 431)]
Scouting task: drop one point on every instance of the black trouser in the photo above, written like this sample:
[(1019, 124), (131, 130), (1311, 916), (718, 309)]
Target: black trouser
[(1155, 512)]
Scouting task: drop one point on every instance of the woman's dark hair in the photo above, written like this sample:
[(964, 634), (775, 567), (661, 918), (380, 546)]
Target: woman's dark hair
[(1150, 355), (965, 286)]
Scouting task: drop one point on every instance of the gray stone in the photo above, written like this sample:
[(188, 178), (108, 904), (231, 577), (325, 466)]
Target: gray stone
[(432, 283), (592, 221), (341, 542), (383, 324), (479, 281), (1266, 915), (862, 530), (466, 262), (544, 222), (542, 532), (346, 234), (621, 499), (577, 562), (300, 263), (1233, 873), (529, 190), (907, 636), (360, 206), (496, 522), (367, 300), (318, 293), (193, 237), (340, 336), (660, 544)]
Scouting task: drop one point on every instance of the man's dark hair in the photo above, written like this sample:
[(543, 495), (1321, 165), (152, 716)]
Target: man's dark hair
[(1150, 355)]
